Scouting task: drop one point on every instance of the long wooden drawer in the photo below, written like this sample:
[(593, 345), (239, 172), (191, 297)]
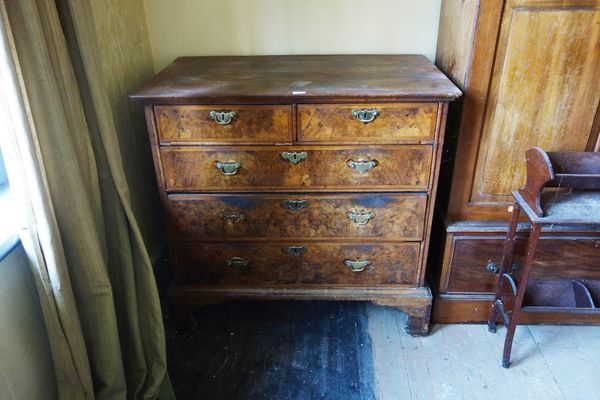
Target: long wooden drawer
[(294, 263), (216, 124), (391, 122), (284, 168), (554, 259), (385, 216)]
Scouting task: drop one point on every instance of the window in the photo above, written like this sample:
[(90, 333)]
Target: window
[(3, 176), (8, 227), (9, 214)]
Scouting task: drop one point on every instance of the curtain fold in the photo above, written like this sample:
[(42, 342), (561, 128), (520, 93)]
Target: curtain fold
[(92, 266)]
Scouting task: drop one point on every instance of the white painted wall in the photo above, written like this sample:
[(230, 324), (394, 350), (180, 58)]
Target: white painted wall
[(26, 370), (257, 27)]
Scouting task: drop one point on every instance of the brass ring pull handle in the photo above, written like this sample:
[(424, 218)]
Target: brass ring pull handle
[(362, 166), (238, 262), (296, 250), (359, 218), (365, 115), (357, 265), (295, 205), (233, 219), (228, 167), (294, 157), (222, 117)]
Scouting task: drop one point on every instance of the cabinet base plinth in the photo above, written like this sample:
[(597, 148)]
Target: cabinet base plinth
[(415, 302)]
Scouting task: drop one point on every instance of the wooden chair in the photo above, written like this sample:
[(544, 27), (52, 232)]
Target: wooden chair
[(561, 188)]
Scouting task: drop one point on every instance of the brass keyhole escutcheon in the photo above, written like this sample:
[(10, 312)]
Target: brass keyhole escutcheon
[(296, 250), (295, 205), (232, 218), (294, 157), (222, 117)]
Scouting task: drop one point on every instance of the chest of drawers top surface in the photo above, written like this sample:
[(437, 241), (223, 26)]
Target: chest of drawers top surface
[(298, 78)]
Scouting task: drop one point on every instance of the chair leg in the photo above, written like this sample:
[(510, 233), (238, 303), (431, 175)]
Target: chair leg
[(507, 253), (518, 301)]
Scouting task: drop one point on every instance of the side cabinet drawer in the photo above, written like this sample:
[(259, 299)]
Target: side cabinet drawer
[(351, 216), (282, 168), (264, 264), (223, 124), (554, 259), (350, 123)]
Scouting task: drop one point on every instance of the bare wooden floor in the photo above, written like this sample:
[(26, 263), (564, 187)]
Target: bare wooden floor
[(463, 361), (359, 351)]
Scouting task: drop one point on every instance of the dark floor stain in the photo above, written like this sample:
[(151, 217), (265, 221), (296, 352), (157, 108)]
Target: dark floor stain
[(274, 350)]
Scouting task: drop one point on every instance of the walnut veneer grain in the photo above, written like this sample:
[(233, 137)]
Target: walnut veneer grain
[(325, 168), (395, 123), (383, 217), (320, 264), (252, 124)]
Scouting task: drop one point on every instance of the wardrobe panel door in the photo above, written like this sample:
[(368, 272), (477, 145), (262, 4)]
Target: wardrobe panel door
[(544, 91)]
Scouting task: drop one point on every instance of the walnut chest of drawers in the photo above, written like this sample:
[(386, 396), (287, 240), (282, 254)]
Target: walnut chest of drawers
[(299, 177)]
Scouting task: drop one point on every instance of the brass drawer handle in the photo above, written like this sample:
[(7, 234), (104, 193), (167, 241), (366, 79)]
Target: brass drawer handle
[(359, 218), (357, 265), (222, 117), (494, 269), (365, 115), (228, 167), (238, 262), (294, 157), (362, 166), (232, 219), (296, 250), (295, 205)]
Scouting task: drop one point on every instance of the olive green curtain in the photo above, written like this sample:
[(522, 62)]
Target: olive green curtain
[(90, 215)]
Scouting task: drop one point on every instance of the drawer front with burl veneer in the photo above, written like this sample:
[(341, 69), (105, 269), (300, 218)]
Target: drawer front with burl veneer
[(360, 123), (298, 263), (388, 216), (281, 168), (216, 124)]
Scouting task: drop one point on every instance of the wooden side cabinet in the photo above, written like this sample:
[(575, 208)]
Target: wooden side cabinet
[(299, 177), (529, 72)]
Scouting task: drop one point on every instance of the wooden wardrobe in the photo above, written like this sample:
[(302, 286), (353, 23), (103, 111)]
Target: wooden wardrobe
[(530, 73)]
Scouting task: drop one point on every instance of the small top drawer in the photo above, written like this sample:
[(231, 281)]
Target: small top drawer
[(358, 123), (222, 124)]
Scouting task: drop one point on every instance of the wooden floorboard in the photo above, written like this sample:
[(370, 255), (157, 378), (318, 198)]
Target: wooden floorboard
[(529, 376), (416, 365), (569, 359), (441, 372), (391, 381), (473, 375), (347, 350)]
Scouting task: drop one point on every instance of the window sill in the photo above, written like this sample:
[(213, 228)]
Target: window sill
[(8, 245)]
